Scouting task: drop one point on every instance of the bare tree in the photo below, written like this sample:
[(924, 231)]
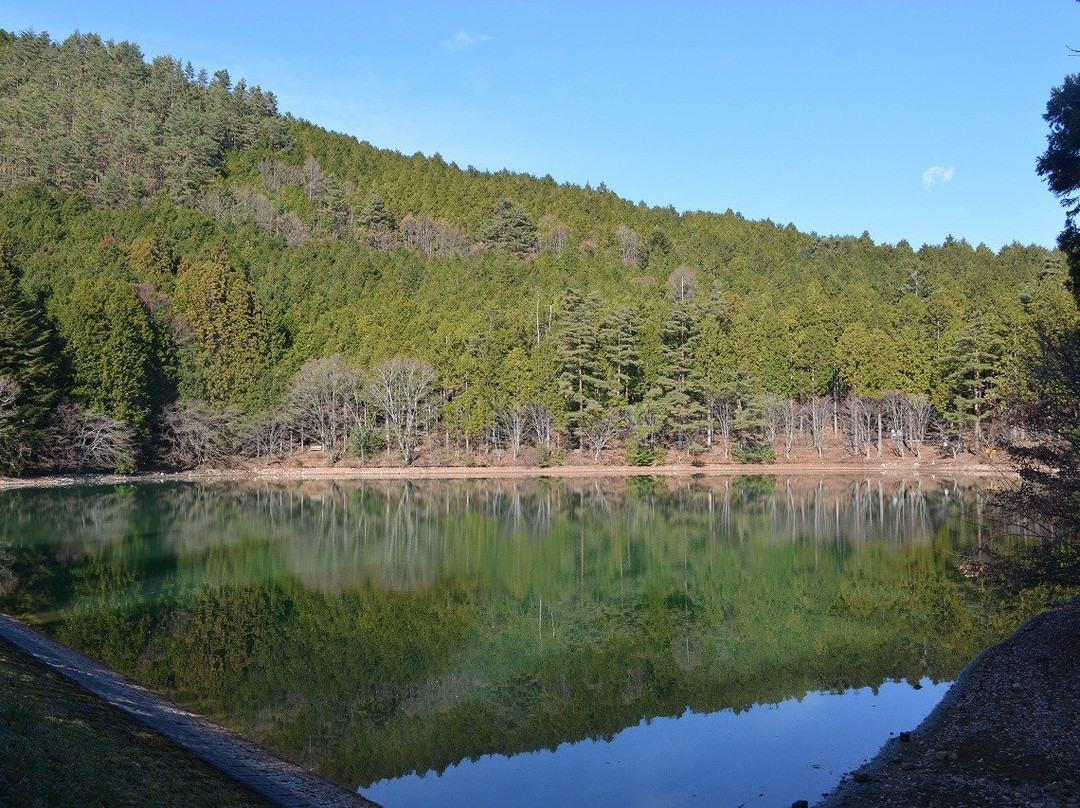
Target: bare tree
[(191, 435), (629, 244), (510, 424), (896, 405), (720, 411), (789, 423), (600, 429), (541, 422), (81, 440), (553, 234), (267, 436), (819, 417), (859, 414), (774, 417), (682, 283), (401, 389), (919, 417), (326, 396)]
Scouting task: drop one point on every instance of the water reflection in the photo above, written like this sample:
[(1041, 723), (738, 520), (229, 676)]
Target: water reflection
[(402, 529), (373, 629), (767, 755)]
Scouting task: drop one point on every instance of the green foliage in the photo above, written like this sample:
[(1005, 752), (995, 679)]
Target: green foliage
[(753, 453), (108, 343), (546, 457), (230, 339), (26, 362), (509, 228), (257, 243), (93, 116), (643, 453)]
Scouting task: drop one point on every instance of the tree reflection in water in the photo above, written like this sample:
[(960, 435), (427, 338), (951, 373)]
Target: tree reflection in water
[(372, 629)]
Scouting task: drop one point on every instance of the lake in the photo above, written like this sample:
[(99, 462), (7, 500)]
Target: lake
[(641, 641)]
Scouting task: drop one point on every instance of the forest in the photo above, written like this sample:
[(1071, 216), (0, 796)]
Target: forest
[(190, 277)]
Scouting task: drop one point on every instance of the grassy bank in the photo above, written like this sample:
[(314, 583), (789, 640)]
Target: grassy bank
[(62, 746)]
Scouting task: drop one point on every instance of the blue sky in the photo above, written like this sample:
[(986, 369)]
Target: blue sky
[(908, 119)]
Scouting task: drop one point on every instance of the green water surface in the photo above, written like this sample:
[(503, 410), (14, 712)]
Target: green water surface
[(373, 630)]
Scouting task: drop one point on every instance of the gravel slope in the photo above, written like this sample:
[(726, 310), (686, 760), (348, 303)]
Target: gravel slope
[(1006, 734)]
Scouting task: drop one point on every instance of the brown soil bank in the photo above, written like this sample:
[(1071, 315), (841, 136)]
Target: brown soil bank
[(1006, 734)]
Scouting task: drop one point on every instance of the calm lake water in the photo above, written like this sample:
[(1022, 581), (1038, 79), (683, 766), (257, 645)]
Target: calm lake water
[(639, 641)]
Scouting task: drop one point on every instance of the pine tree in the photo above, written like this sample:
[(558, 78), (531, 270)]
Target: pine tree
[(619, 336), (26, 362), (972, 365), (577, 343), (677, 391), (509, 228)]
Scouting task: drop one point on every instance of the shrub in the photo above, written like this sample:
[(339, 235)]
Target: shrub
[(757, 453)]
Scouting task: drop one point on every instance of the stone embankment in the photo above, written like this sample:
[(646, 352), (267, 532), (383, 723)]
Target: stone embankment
[(280, 781)]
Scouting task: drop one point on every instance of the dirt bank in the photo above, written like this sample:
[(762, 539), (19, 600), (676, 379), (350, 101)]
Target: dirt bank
[(1006, 734), (310, 468)]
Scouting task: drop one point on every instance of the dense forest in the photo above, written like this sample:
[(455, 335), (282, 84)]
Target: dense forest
[(189, 276)]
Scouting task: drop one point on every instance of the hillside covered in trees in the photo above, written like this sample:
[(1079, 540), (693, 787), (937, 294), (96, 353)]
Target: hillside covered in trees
[(188, 275)]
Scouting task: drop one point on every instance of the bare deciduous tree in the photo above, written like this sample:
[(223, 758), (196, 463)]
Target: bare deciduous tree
[(859, 416), (192, 435), (919, 417), (598, 430), (401, 389), (819, 417), (326, 397), (510, 424), (789, 423), (896, 405), (720, 411), (682, 283), (629, 244), (541, 423), (553, 235), (81, 440)]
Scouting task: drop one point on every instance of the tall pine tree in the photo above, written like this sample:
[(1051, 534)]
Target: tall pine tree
[(26, 361)]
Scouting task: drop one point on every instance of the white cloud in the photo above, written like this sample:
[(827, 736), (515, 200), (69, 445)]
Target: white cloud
[(937, 175), (465, 39)]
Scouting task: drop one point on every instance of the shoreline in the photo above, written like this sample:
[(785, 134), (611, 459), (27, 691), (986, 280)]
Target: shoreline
[(279, 780), (282, 473), (1006, 733)]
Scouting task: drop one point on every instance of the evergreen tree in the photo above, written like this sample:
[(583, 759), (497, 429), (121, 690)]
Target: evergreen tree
[(677, 391), (509, 228), (972, 375), (619, 336), (108, 343), (27, 365), (580, 369), (230, 336)]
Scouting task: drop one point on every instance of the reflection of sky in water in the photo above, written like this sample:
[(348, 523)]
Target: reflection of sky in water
[(769, 755)]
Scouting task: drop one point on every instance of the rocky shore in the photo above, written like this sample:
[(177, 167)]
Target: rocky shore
[(1006, 734)]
